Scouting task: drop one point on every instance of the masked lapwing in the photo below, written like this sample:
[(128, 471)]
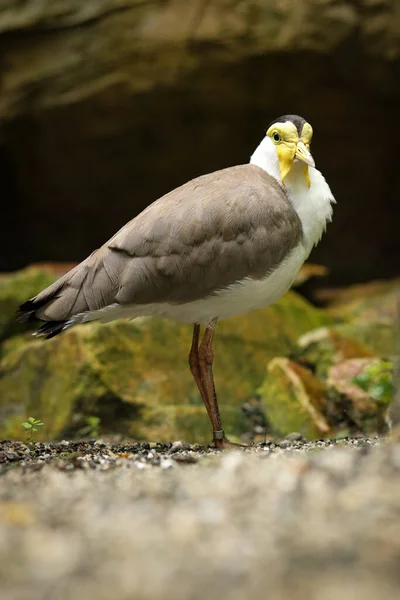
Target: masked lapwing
[(220, 245)]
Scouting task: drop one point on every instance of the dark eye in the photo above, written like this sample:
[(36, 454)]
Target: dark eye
[(276, 137)]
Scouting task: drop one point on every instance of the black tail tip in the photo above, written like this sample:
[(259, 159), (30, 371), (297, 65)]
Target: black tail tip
[(50, 329)]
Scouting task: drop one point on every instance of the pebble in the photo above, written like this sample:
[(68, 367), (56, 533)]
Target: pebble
[(178, 446), (293, 437)]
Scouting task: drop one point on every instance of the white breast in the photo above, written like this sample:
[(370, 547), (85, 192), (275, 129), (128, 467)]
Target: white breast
[(313, 204)]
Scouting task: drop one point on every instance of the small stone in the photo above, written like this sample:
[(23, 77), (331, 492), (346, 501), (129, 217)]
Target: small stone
[(196, 448), (185, 459), (294, 437), (178, 446), (284, 444), (11, 455)]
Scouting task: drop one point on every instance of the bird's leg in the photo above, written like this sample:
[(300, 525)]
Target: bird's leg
[(206, 358), (200, 362), (194, 363)]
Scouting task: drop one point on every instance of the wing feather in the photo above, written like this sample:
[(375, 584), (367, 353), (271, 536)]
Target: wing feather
[(199, 238)]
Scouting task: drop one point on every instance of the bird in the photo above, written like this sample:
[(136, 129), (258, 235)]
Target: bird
[(221, 245)]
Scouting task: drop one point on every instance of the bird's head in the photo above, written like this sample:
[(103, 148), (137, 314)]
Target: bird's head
[(291, 135)]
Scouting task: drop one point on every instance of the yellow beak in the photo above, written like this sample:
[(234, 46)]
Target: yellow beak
[(304, 155)]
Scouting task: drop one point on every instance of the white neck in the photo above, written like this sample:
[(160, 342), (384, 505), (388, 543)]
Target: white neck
[(313, 204), (266, 157)]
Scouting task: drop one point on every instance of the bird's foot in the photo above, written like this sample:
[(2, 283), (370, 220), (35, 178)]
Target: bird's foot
[(222, 443)]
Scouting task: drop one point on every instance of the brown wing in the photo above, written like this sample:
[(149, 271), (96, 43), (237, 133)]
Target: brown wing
[(201, 237)]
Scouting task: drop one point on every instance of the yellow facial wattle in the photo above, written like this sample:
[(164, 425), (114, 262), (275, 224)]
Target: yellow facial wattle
[(289, 146), (286, 153)]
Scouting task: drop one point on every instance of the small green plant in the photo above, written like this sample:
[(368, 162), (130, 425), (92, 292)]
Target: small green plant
[(92, 428), (377, 380), (31, 426)]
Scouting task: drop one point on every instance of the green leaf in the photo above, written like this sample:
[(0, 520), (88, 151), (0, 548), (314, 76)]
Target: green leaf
[(362, 380), (382, 392), (31, 420), (27, 425)]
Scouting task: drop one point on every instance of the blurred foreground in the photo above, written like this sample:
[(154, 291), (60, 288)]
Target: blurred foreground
[(299, 520)]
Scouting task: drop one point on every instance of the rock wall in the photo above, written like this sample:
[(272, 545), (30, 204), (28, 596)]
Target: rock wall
[(107, 104)]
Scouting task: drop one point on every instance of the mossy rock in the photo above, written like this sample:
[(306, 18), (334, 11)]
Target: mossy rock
[(327, 346), (143, 364), (378, 336), (366, 388), (16, 288), (372, 301), (163, 423), (294, 400), (355, 398), (368, 312), (46, 381)]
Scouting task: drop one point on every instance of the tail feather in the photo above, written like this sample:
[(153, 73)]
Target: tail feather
[(27, 310), (51, 328), (27, 313), (46, 305), (67, 302)]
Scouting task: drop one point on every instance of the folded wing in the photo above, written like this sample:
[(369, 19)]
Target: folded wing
[(202, 237)]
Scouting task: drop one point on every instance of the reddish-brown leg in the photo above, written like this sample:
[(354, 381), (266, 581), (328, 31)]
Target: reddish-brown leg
[(201, 361), (194, 364), (206, 358)]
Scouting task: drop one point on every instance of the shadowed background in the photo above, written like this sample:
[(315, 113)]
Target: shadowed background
[(106, 105)]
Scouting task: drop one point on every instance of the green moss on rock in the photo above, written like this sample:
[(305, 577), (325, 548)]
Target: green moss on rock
[(368, 313), (378, 336), (367, 389), (294, 399), (16, 288), (326, 346), (144, 363), (164, 423), (44, 380)]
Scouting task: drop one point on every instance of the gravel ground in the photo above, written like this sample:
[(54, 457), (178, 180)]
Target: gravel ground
[(280, 521)]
